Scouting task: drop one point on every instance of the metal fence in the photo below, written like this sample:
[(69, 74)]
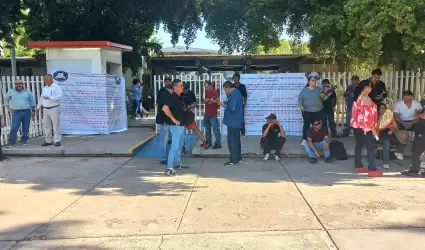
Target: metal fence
[(197, 86), (31, 83), (396, 82)]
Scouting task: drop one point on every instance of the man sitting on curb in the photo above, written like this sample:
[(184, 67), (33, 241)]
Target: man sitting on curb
[(317, 138), (271, 139)]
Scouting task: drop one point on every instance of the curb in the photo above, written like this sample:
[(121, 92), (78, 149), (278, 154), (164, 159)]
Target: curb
[(140, 145)]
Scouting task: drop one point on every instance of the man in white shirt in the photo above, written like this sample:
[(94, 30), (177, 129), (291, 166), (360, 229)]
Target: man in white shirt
[(406, 112), (49, 102)]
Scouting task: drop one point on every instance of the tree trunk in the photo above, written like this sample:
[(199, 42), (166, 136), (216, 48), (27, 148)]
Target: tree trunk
[(342, 65)]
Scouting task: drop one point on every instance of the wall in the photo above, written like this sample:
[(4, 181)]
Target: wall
[(74, 60), (114, 59)]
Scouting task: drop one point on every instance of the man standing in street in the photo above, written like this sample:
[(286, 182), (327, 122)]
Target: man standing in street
[(349, 95), (2, 157), (49, 103), (271, 139), (21, 105), (174, 110), (212, 100), (242, 89), (162, 120), (379, 91), (233, 119)]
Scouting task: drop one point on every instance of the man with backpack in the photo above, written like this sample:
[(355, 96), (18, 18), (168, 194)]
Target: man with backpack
[(317, 139)]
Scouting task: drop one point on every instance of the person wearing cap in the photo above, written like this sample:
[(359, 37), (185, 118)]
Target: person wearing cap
[(406, 112), (418, 147), (317, 139), (329, 103), (212, 99), (189, 100), (20, 103), (162, 120), (379, 91), (349, 95), (273, 137)]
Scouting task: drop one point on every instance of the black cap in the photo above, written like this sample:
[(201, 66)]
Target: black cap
[(272, 116)]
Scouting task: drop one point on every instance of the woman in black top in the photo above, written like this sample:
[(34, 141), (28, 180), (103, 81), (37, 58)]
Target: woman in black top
[(418, 147)]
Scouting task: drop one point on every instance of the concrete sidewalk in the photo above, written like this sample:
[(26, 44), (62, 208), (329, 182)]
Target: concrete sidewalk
[(124, 203), (292, 148), (117, 144)]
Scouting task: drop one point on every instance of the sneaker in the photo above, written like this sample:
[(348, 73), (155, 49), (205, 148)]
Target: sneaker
[(303, 142), (216, 146), (312, 160), (410, 173), (276, 158), (24, 143), (57, 144), (329, 160), (361, 170), (170, 172), (266, 157), (180, 166), (45, 144), (399, 156), (345, 135), (375, 174), (229, 163), (205, 145), (336, 136), (240, 161), (10, 145), (163, 162), (386, 166), (245, 136)]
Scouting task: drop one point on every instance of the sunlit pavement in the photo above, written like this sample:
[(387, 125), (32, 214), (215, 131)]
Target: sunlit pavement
[(124, 203)]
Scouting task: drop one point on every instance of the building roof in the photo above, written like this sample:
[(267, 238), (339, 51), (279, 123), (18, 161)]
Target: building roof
[(182, 50), (79, 44)]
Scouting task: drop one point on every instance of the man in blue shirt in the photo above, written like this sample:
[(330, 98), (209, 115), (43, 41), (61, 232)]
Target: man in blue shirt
[(349, 95), (233, 119), (21, 105)]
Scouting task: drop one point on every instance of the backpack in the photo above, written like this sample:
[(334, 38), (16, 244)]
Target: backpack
[(338, 151)]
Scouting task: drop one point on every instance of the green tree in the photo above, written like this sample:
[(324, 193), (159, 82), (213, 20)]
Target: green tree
[(129, 22)]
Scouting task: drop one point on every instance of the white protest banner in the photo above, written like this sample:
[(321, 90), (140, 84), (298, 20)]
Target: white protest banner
[(91, 103), (273, 93)]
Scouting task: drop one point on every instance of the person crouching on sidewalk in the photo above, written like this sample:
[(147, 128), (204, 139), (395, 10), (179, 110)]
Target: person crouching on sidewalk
[(317, 139), (271, 139), (233, 119), (364, 121)]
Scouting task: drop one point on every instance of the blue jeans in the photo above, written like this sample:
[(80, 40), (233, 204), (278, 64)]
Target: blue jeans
[(234, 143), (137, 108), (177, 133), (347, 128), (164, 132), (386, 151), (317, 146), (211, 121), (18, 117)]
